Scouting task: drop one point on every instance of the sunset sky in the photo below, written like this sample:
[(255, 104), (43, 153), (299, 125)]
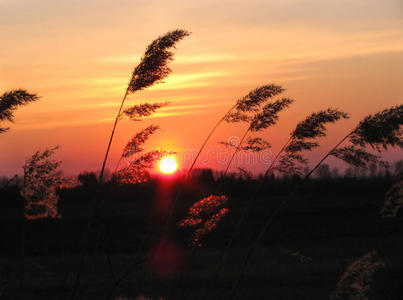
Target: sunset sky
[(79, 55)]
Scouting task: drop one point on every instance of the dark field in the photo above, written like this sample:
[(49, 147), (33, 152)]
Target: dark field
[(328, 224)]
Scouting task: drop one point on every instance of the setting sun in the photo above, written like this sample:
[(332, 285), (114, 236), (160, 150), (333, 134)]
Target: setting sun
[(168, 165)]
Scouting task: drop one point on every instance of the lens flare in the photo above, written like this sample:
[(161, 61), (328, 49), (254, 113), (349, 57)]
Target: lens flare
[(168, 165)]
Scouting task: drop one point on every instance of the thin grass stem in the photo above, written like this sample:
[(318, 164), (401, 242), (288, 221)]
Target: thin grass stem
[(271, 218), (111, 137), (236, 151), (207, 139)]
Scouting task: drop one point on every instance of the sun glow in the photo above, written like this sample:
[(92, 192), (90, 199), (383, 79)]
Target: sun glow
[(168, 165)]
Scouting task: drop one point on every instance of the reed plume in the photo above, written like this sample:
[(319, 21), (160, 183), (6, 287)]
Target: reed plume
[(261, 119), (136, 171), (10, 101), (153, 68), (204, 216), (137, 112), (355, 283), (256, 144), (268, 116), (138, 140), (358, 157), (290, 157), (380, 130), (314, 125), (254, 99), (42, 178)]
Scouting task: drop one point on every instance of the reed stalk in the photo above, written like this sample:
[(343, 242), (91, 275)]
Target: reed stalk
[(382, 129)]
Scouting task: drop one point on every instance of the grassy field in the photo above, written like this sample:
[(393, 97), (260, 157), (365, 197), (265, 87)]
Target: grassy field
[(327, 226)]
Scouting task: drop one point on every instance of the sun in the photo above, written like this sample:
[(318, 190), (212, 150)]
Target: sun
[(168, 165)]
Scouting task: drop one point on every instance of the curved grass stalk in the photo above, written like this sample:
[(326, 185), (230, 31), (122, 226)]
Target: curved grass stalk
[(94, 202), (236, 151), (112, 135), (271, 218), (327, 155), (208, 138), (277, 156), (243, 215), (153, 68)]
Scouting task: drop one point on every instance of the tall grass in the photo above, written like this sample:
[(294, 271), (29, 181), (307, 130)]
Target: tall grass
[(241, 110), (378, 131), (42, 179), (266, 117), (153, 68), (10, 101)]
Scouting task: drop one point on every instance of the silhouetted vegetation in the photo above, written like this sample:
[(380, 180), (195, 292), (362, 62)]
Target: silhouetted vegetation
[(94, 237), (334, 222)]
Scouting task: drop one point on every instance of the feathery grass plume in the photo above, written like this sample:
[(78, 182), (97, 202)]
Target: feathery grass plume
[(236, 117), (291, 160), (137, 170), (300, 145), (153, 68), (263, 117), (136, 112), (314, 125), (394, 198), (134, 146), (252, 101), (41, 181), (136, 142), (248, 108), (10, 101), (356, 280), (268, 116), (291, 164), (256, 145), (204, 216), (154, 64), (380, 130), (357, 157)]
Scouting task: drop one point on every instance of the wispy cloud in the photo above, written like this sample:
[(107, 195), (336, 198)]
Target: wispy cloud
[(196, 58), (61, 120)]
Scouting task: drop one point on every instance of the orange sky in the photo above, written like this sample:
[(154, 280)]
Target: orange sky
[(79, 55)]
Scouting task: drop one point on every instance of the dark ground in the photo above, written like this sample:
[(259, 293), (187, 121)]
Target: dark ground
[(330, 222)]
